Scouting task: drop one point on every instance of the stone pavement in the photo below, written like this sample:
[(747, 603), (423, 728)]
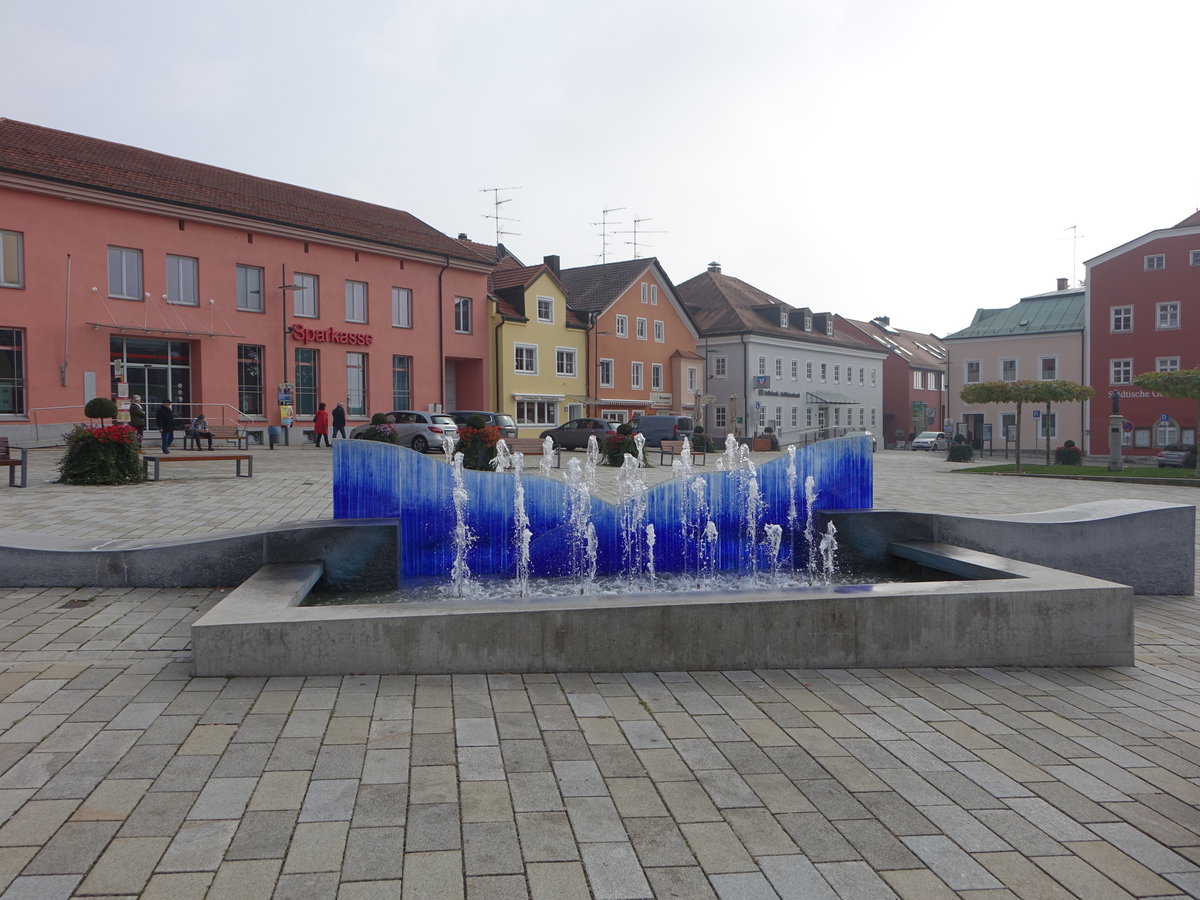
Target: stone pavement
[(122, 776)]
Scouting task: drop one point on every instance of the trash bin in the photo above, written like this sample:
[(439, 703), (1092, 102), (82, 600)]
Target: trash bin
[(274, 433)]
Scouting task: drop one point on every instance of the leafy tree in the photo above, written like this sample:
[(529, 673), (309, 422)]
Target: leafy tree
[(100, 408), (1183, 384), (1019, 393)]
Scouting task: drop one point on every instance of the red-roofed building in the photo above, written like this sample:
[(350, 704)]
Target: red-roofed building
[(213, 288)]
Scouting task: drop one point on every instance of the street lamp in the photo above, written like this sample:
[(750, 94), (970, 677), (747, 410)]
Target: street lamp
[(284, 290)]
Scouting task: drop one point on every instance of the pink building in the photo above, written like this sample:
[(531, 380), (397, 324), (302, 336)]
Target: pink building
[(214, 288)]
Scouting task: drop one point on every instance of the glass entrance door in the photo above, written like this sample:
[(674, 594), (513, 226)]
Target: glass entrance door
[(158, 370)]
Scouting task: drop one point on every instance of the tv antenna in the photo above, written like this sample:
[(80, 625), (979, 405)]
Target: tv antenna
[(1075, 236), (497, 203), (636, 231), (604, 223)]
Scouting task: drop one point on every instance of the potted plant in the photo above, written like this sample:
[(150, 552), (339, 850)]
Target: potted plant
[(765, 442), (477, 443), (960, 450), (1068, 455)]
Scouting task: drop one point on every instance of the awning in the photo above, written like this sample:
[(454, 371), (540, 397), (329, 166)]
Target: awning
[(829, 398)]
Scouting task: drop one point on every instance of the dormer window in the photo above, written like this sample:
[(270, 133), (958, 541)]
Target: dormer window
[(807, 322), (829, 326), (783, 317)]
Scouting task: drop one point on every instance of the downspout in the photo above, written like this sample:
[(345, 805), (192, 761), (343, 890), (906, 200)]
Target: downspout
[(442, 336), (746, 390), (62, 370), (496, 358)]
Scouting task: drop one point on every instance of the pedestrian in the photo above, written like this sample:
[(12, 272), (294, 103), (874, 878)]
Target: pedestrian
[(321, 426), (199, 429), (137, 417), (165, 419), (339, 420)]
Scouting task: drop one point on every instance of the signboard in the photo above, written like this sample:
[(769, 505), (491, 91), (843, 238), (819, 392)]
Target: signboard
[(708, 398), (1127, 427), (1037, 413), (1164, 418), (762, 381), (658, 398), (918, 405)]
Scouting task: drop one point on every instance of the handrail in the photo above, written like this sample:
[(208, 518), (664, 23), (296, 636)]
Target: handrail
[(234, 416)]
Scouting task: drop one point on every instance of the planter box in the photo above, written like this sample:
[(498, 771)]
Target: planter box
[(761, 444)]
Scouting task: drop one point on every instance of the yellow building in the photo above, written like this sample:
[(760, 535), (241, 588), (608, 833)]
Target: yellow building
[(538, 348)]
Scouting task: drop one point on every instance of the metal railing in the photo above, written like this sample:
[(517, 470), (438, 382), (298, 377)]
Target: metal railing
[(223, 413)]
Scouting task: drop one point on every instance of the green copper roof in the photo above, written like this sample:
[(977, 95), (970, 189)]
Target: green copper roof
[(1039, 314)]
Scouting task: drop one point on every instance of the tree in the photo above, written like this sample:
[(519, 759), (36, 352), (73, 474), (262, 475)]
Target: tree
[(100, 408), (1021, 392), (1183, 384)]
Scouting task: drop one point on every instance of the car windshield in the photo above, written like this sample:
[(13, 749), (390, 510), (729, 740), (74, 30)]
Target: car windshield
[(505, 420), (927, 436)]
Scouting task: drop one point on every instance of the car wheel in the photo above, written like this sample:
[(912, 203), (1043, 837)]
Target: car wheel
[(420, 444)]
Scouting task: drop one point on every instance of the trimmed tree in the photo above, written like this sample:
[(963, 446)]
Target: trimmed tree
[(1058, 391), (1183, 384), (1019, 393)]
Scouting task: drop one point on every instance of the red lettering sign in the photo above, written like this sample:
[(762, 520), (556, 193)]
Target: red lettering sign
[(306, 335)]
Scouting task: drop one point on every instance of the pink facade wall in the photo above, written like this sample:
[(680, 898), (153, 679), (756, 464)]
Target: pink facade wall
[(54, 228)]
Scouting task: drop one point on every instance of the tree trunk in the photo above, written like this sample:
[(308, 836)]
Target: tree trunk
[(1018, 435)]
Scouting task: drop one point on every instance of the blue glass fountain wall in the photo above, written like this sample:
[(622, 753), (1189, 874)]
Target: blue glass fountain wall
[(377, 480)]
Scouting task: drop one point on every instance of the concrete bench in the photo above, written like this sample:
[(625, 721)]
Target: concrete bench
[(20, 464), (152, 462), (669, 449), (219, 433), (532, 447)]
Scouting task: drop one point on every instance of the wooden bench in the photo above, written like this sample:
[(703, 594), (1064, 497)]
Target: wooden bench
[(14, 465), (233, 433), (667, 451), (532, 447), (156, 460)]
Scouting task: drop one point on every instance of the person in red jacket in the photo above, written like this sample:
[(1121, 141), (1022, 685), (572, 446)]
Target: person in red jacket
[(321, 426)]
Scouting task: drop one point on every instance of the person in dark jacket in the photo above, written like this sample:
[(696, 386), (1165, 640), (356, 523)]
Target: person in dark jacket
[(321, 426), (137, 416), (339, 420), (165, 419)]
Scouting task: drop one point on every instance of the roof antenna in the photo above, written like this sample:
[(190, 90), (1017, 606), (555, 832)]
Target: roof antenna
[(496, 204), (604, 223), (1075, 236), (634, 232)]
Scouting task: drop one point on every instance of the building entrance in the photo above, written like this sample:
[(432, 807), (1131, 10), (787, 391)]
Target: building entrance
[(157, 370)]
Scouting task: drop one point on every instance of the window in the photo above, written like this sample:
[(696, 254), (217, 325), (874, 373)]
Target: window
[(1194, 257), (1120, 371), (829, 325), (306, 369), (525, 359), (125, 273), (249, 288), (641, 328), (1168, 315), (1049, 425), (12, 259), (822, 373), (1048, 368), (778, 417), (762, 417), (808, 416), (778, 368), (537, 412), (656, 376), (783, 317), (861, 373), (462, 315), (1008, 426), (356, 302), (719, 416), (622, 326), (808, 371), (401, 311), (872, 378), (1008, 370), (872, 415), (795, 417), (1166, 364), (645, 292), (564, 362), (12, 371), (305, 302), (795, 370), (654, 295), (401, 382), (356, 384), (691, 376), (1156, 262), (917, 380), (1122, 318), (606, 373), (762, 365), (837, 415), (837, 374), (719, 367), (250, 379), (635, 376), (545, 309), (861, 415), (182, 280), (660, 331), (807, 323), (971, 376)]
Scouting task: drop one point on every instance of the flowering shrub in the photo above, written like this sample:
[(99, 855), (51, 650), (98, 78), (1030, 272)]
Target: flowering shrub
[(105, 454), (1068, 455), (477, 445), (383, 432), (615, 447)]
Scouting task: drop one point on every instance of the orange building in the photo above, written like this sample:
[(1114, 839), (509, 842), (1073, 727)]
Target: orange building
[(220, 291)]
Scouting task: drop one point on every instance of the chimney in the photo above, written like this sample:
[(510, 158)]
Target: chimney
[(883, 320), (462, 236), (553, 263), (714, 266), (1063, 283)]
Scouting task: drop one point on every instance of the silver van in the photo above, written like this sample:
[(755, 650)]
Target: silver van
[(657, 429)]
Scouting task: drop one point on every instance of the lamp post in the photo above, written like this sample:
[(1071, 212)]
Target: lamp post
[(284, 290)]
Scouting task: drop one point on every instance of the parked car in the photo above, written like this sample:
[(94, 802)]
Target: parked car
[(419, 430), (931, 440), (574, 435), (1176, 456), (502, 421), (656, 429)]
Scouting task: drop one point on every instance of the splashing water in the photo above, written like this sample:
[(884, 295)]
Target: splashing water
[(460, 574), (650, 553), (544, 465), (810, 536), (448, 444), (631, 501), (592, 460), (774, 538), (521, 533), (580, 485), (829, 554), (792, 512), (728, 462)]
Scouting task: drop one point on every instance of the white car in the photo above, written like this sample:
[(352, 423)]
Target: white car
[(422, 431), (931, 440)]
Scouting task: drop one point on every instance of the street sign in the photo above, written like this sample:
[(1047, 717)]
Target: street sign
[(1164, 418), (1127, 427), (1037, 413)]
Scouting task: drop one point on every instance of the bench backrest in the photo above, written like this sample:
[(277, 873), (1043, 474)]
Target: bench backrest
[(4, 448), (524, 445)]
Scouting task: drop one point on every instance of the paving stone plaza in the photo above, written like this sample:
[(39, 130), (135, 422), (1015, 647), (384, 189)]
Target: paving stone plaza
[(123, 776)]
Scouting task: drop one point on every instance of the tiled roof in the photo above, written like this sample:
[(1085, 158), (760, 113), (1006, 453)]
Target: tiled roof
[(721, 304), (66, 158), (1055, 311), (1191, 221), (922, 351), (591, 289)]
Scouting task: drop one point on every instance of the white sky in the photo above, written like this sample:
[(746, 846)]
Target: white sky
[(911, 158)]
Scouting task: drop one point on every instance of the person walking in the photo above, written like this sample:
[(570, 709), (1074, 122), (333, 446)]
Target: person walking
[(137, 416), (165, 419), (339, 420), (321, 426)]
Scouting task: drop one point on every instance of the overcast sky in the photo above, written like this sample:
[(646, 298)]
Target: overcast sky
[(911, 158)]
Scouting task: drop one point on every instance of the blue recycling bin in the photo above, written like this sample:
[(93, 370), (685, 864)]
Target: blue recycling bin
[(274, 434)]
